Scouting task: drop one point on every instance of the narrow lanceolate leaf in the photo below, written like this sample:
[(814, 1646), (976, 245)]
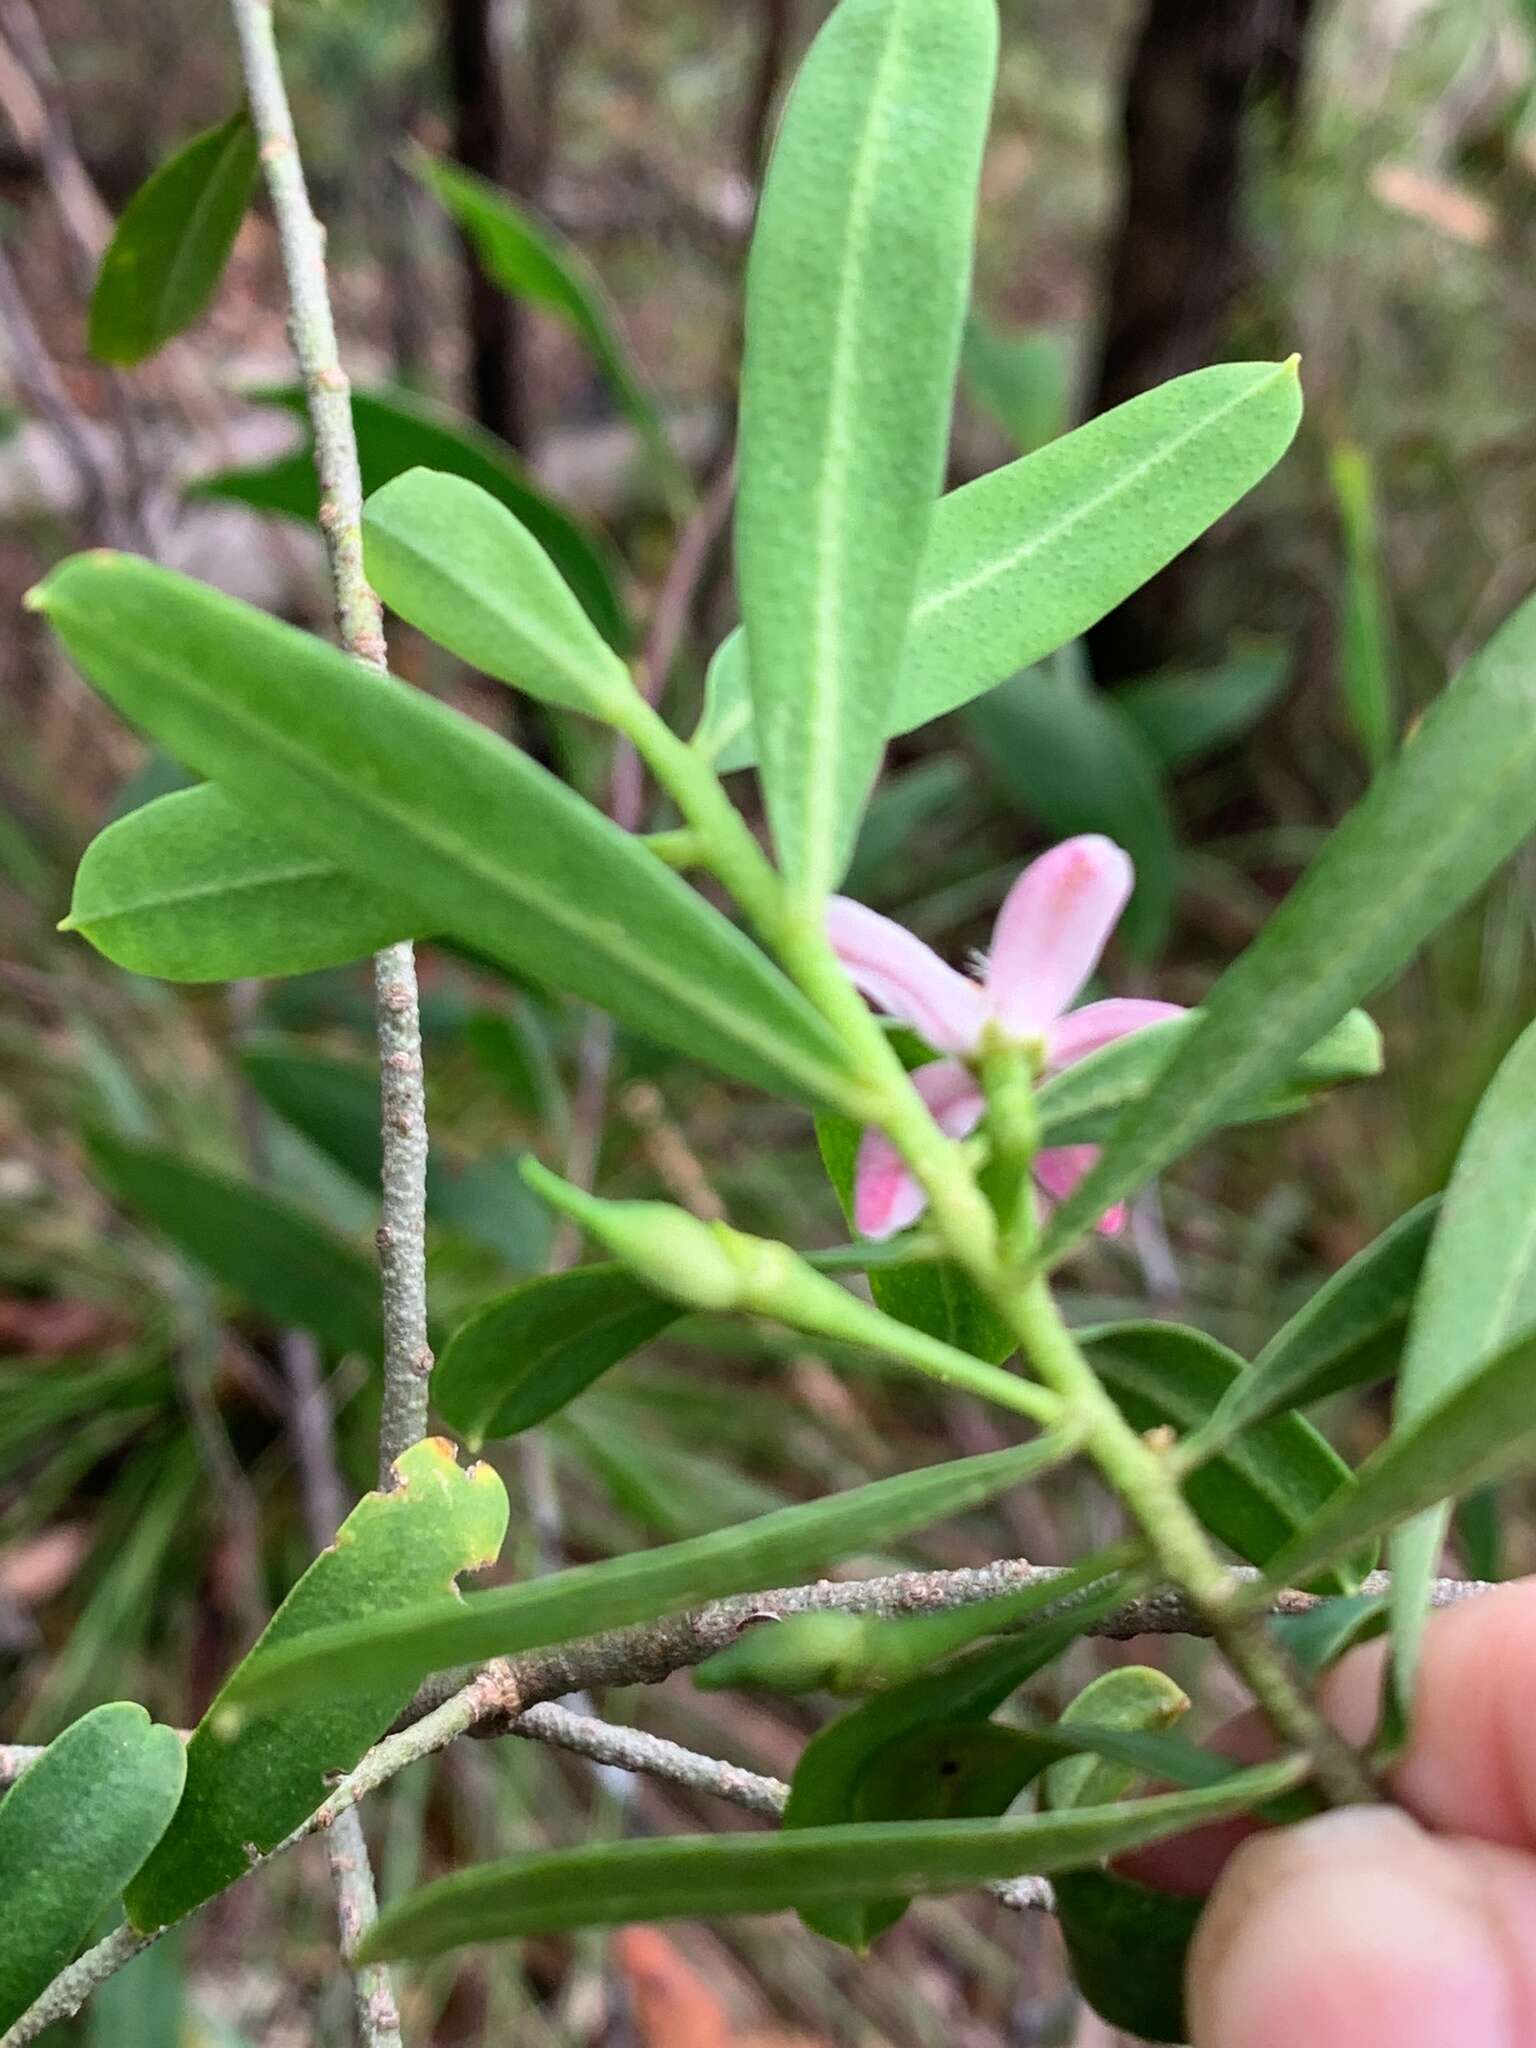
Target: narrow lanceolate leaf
[(860, 1765), (1482, 1431), (396, 787), (1364, 641), (612, 1884), (856, 295), (1265, 1486), (168, 251), (523, 1356), (1436, 823), (400, 430), (253, 1778), (1079, 1105), (1127, 1942), (73, 1830), (1478, 1291), (277, 1259), (459, 566), (530, 261), (769, 1551), (192, 888), (1026, 559), (1349, 1333)]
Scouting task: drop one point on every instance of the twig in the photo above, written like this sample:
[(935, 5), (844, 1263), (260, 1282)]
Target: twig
[(72, 1987), (402, 1223), (631, 1749), (512, 1697), (402, 1228), (647, 1655), (357, 1907)]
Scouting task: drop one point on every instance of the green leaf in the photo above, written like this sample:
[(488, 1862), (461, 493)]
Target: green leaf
[(1022, 378), (461, 568), (1481, 1431), (1434, 826), (1348, 1334), (1262, 1488), (335, 1104), (1070, 758), (388, 782), (192, 888), (144, 2004), (529, 260), (770, 1550), (74, 1828), (1128, 1945), (1025, 560), (856, 295), (1317, 1639), (1126, 1942), (251, 1779), (841, 1652), (1079, 1104), (1185, 715), (1478, 1290), (1365, 624), (612, 1884), (521, 1357), (167, 253), (272, 1255), (847, 1764), (1134, 1698), (938, 1299), (399, 430)]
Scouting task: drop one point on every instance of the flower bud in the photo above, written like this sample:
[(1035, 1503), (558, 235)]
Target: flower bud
[(668, 1249)]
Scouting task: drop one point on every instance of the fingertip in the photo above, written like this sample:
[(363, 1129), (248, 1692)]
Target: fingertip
[(1348, 1930)]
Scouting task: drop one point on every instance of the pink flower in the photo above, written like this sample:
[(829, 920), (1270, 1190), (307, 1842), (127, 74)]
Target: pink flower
[(1049, 934)]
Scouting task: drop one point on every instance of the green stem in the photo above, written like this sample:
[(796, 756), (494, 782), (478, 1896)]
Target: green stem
[(968, 1225), (1141, 1475)]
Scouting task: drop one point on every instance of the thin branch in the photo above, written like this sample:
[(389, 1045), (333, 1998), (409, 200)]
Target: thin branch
[(402, 1256), (402, 1222), (72, 1987), (514, 1696), (357, 1907), (631, 1749)]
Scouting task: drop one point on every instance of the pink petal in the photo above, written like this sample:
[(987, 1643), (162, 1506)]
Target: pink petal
[(905, 978), (886, 1196), (1059, 1171), (1052, 928), (1099, 1024)]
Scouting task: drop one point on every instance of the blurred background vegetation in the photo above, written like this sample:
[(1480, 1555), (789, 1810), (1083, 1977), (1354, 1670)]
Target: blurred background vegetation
[(1170, 182)]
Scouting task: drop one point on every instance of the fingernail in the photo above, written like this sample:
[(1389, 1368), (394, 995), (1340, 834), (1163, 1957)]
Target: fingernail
[(1354, 1927)]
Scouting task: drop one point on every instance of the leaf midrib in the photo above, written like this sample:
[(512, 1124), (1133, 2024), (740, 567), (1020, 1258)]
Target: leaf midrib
[(821, 753), (1004, 565), (554, 650)]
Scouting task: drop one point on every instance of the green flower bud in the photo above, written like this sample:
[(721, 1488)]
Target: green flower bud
[(682, 1258)]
